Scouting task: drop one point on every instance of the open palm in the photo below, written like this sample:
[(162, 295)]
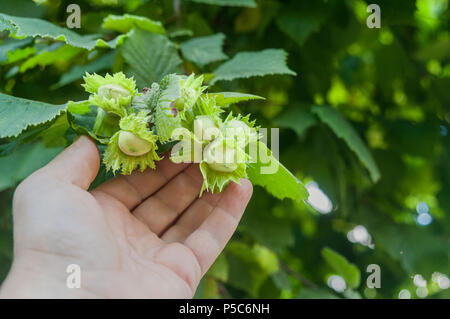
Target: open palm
[(146, 235)]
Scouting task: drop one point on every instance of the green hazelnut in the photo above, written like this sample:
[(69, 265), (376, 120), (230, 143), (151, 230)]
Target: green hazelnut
[(112, 91), (133, 145), (205, 128), (219, 157)]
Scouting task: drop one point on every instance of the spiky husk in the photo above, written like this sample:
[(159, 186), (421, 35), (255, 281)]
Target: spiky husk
[(115, 160), (190, 89), (118, 106), (249, 137), (204, 105), (215, 181)]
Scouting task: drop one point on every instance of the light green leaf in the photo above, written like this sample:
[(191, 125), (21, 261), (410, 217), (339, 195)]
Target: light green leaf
[(17, 114), (127, 22), (20, 54), (62, 53), (21, 27), (180, 32), (204, 50), (25, 160), (80, 107), (249, 267), (226, 98), (10, 46), (282, 183), (150, 56), (267, 259), (249, 64), (219, 270), (342, 267), (297, 119), (343, 129), (78, 71)]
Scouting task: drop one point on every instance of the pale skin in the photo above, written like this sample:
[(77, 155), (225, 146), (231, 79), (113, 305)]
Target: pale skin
[(146, 235)]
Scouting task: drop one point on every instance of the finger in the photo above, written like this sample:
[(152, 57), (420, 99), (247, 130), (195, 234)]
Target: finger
[(77, 164), (211, 237), (194, 216), (181, 261), (162, 209), (132, 189)]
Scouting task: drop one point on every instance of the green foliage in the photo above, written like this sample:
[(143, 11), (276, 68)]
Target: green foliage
[(300, 25), (297, 119), (342, 267), (32, 27), (275, 177), (204, 50), (363, 99), (18, 114), (344, 130), (227, 98), (249, 64), (127, 22), (78, 71), (62, 53), (24, 161), (150, 57), (9, 46)]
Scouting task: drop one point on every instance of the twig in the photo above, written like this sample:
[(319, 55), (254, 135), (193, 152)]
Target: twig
[(295, 274)]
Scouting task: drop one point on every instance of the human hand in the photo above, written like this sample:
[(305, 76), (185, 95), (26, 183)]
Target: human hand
[(146, 235)]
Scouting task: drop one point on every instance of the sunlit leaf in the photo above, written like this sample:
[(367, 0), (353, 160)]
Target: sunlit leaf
[(342, 267), (227, 98), (279, 181), (31, 27), (250, 64), (62, 53), (128, 22)]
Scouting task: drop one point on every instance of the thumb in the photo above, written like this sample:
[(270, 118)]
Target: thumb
[(78, 164)]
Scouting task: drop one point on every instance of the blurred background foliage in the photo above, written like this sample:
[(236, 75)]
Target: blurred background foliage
[(364, 124)]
